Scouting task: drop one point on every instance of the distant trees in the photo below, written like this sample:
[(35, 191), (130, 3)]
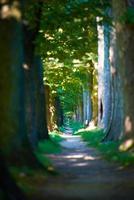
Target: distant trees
[(64, 36), (69, 48)]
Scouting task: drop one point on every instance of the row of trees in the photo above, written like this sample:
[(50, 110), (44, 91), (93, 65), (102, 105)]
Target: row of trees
[(64, 36), (72, 65), (22, 106), (69, 52), (115, 72)]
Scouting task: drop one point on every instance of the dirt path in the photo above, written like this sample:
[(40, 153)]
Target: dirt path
[(84, 175)]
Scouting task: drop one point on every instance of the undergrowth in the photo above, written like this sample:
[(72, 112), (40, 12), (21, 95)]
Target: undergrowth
[(51, 145), (110, 150), (48, 147)]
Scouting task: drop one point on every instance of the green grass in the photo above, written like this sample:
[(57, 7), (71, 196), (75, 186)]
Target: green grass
[(51, 145), (55, 136), (110, 150), (48, 146), (93, 137)]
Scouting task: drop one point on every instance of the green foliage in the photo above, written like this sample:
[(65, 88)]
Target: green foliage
[(55, 136), (93, 137), (31, 11), (68, 44), (51, 145), (67, 81), (48, 146), (70, 37), (110, 150), (43, 158)]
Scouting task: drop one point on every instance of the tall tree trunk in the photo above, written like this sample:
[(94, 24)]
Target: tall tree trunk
[(125, 47), (115, 127), (48, 107), (35, 103), (41, 118), (110, 93), (79, 111), (87, 112), (12, 122), (58, 112), (104, 92), (14, 138)]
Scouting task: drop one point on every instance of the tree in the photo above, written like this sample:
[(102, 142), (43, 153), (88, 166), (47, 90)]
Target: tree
[(16, 81), (124, 25), (121, 62), (69, 45), (35, 96)]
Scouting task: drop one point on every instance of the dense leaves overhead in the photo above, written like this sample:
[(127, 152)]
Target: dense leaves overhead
[(68, 28), (67, 42)]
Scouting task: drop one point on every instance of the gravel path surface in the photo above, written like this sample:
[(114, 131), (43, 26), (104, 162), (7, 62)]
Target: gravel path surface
[(85, 175)]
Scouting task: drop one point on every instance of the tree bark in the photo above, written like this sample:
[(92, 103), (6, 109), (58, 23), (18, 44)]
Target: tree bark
[(104, 80), (12, 122), (14, 136), (35, 96), (125, 48), (115, 128)]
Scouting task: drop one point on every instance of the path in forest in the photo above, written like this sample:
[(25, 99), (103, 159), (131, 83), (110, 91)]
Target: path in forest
[(85, 175)]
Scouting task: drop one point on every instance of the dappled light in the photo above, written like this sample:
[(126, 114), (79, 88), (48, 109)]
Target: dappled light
[(126, 145), (10, 10), (66, 100), (25, 66)]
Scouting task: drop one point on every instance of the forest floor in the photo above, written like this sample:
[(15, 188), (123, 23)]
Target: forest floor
[(85, 175)]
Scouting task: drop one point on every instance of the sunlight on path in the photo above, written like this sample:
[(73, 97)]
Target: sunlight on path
[(84, 175), (73, 142)]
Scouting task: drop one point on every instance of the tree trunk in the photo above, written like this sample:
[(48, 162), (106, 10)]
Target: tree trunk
[(41, 118), (14, 136), (125, 47), (115, 127), (87, 112), (104, 90), (12, 122), (58, 112), (35, 96)]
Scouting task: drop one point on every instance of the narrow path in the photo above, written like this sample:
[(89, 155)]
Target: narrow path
[(84, 175)]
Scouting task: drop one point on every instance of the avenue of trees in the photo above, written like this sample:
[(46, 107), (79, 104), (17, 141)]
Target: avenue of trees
[(58, 60)]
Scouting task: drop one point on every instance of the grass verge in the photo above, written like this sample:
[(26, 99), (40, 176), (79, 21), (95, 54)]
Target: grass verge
[(110, 150)]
